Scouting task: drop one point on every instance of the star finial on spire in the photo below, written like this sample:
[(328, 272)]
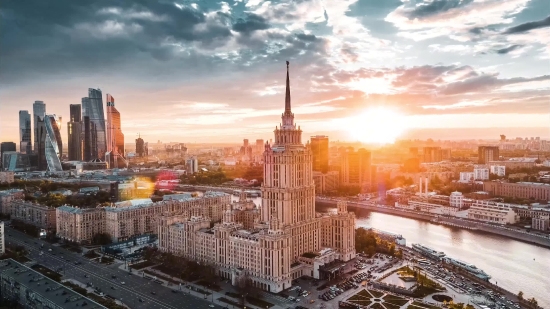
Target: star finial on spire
[(287, 97)]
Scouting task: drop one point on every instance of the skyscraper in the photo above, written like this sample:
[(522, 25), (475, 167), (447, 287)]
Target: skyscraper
[(487, 154), (38, 111), (319, 148), (356, 169), (432, 154), (54, 145), (6, 147), (92, 107), (115, 137), (74, 130), (140, 147), (25, 143)]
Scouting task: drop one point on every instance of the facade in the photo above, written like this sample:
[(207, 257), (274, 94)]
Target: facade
[(319, 148), (6, 197), (7, 177), (89, 147), (32, 290), (432, 154), (499, 170), (6, 147), (487, 154), (192, 166), (25, 132), (466, 177), (115, 137), (141, 150), (526, 190), (492, 212), (481, 172), (456, 200), (541, 223), (135, 217), (75, 134), (92, 107), (79, 224), (13, 161), (356, 169), (2, 238), (54, 144), (35, 214), (38, 113), (326, 182), (288, 239)]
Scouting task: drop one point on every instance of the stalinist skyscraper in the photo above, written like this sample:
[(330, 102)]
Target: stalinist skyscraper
[(282, 240)]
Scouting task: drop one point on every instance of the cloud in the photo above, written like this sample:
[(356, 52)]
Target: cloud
[(251, 23), (529, 26), (508, 49)]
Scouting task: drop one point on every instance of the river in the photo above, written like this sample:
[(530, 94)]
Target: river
[(513, 265)]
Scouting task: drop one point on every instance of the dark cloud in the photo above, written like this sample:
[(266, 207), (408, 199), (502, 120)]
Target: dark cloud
[(508, 49), (529, 26), (434, 7), (250, 24)]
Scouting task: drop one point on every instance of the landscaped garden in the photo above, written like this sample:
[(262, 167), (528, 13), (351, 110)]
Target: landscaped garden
[(377, 300)]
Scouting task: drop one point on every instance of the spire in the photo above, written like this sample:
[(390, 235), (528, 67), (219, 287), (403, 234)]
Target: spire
[(287, 97)]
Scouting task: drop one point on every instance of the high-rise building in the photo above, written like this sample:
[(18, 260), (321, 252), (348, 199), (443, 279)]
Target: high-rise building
[(92, 107), (115, 137), (487, 153), (54, 145), (356, 169), (432, 154), (319, 148), (141, 150), (259, 146), (75, 113), (90, 140), (25, 143), (6, 147), (38, 111)]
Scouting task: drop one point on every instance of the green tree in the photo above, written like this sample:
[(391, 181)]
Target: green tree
[(533, 301), (520, 295)]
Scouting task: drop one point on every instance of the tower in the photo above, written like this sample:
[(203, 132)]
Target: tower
[(74, 132), (25, 144), (115, 138)]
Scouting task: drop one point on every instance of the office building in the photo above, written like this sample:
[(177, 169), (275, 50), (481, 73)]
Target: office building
[(75, 113), (326, 182), (466, 177), (115, 137), (541, 223), (32, 290), (192, 166), (25, 132), (6, 147), (38, 113), (288, 241), (54, 145), (356, 169), (259, 148), (92, 107), (319, 148), (456, 200), (432, 154), (89, 140), (141, 150), (487, 154), (74, 133)]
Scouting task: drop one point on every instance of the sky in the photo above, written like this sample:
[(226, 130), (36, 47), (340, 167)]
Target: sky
[(214, 71)]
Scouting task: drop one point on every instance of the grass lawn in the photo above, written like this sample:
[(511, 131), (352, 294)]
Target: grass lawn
[(227, 301), (376, 306), (212, 286), (396, 300), (141, 265), (362, 295), (391, 306), (47, 272), (423, 291), (259, 302), (376, 294), (418, 305)]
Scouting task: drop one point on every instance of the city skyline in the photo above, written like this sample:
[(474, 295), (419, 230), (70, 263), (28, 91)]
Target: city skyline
[(358, 66)]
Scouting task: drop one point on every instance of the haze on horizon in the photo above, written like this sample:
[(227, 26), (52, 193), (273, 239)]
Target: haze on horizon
[(214, 71)]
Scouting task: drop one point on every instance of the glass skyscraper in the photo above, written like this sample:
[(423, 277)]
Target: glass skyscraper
[(38, 111), (74, 130), (54, 145), (115, 137), (25, 143), (92, 107)]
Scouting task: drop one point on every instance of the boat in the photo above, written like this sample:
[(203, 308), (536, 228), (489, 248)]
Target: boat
[(471, 268), (429, 252)]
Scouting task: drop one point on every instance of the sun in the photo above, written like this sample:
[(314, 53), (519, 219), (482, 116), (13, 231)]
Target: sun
[(378, 125)]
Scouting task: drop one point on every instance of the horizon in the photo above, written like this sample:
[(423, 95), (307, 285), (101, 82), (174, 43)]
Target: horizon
[(400, 71)]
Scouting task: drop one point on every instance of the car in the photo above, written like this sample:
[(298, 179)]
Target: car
[(113, 288), (140, 300), (86, 276), (50, 249), (211, 306), (113, 276), (123, 283), (174, 291), (153, 293)]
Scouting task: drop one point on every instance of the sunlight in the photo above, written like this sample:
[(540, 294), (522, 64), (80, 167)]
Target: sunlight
[(379, 125)]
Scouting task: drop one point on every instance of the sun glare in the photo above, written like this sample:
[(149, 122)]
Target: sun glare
[(378, 125)]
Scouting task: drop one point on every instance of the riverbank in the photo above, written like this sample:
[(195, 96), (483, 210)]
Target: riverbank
[(454, 222)]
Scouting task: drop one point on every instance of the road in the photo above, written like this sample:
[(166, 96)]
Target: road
[(134, 289)]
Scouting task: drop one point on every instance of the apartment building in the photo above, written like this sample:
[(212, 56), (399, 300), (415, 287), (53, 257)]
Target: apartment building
[(541, 223), (79, 224), (526, 190), (2, 239), (41, 216), (326, 182), (6, 197), (492, 212), (7, 177)]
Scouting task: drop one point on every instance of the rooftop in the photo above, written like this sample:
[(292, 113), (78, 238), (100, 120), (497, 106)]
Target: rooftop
[(55, 292)]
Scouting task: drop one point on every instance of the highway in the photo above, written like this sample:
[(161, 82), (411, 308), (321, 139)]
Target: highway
[(136, 292)]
